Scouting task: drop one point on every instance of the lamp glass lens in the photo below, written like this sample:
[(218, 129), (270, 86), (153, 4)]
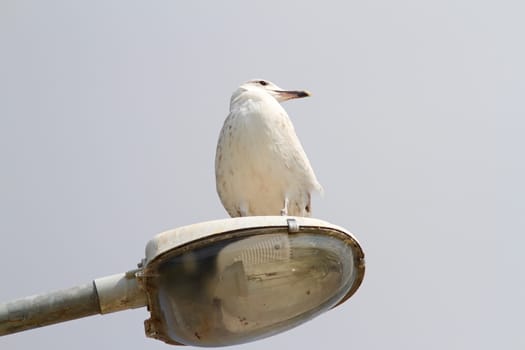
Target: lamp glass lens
[(243, 289)]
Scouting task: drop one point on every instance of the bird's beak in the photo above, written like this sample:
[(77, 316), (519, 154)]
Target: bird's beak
[(282, 95)]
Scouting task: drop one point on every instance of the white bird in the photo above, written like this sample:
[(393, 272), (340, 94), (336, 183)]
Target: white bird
[(260, 165)]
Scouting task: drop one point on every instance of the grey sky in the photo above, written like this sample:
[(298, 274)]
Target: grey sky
[(110, 113)]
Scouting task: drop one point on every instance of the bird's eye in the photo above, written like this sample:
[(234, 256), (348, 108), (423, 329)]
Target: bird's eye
[(263, 83)]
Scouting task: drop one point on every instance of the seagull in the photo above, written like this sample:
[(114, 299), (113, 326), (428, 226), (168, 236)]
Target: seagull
[(260, 165)]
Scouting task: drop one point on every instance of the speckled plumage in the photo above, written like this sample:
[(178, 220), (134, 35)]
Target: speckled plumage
[(260, 165)]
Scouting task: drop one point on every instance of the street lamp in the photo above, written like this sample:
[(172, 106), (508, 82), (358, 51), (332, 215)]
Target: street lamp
[(216, 283)]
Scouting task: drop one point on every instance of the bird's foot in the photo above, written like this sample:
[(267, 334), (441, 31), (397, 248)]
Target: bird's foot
[(284, 211)]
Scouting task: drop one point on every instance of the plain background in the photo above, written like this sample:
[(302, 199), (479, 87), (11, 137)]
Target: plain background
[(110, 113)]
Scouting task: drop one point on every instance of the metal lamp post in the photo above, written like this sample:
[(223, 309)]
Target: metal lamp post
[(216, 283)]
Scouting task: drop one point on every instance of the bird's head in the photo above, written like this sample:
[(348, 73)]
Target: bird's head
[(260, 85)]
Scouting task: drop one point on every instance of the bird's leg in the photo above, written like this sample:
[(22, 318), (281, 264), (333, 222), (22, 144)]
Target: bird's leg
[(284, 211), (243, 209)]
